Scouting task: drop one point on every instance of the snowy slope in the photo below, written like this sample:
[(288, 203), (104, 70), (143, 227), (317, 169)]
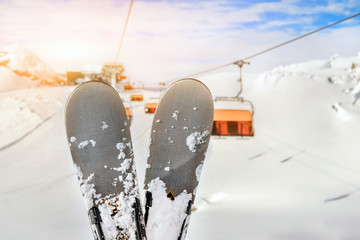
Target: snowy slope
[(25, 64), (273, 186), (297, 125), (22, 113), (12, 81)]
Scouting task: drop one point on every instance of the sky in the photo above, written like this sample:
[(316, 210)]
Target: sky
[(170, 39)]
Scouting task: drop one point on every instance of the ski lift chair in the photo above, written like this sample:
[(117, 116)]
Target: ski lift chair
[(234, 122), (150, 107), (128, 87), (137, 97), (128, 109)]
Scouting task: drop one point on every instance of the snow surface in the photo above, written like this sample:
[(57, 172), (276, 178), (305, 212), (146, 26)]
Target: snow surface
[(245, 192), (22, 113)]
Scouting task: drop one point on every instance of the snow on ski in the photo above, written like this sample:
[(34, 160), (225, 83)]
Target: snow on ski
[(101, 148), (179, 139)]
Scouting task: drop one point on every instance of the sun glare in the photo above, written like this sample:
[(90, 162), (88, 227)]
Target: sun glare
[(72, 54), (73, 49)]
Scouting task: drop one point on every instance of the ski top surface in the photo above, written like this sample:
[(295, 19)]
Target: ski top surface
[(180, 136), (100, 143)]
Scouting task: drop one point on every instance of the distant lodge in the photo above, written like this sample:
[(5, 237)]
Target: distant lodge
[(107, 73)]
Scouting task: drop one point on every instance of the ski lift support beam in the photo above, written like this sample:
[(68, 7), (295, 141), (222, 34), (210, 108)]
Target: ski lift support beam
[(237, 97)]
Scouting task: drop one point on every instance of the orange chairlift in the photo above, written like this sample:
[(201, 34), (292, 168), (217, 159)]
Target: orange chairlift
[(234, 122), (133, 96), (128, 109), (151, 105), (137, 97), (128, 113), (128, 87)]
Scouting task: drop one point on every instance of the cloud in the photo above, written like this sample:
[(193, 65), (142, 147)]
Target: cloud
[(164, 39), (286, 22), (300, 8)]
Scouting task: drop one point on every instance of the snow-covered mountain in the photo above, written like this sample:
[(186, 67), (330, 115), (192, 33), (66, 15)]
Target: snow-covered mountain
[(344, 72), (30, 70), (297, 179)]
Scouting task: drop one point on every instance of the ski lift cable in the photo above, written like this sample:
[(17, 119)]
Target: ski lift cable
[(326, 173), (274, 47), (332, 163), (300, 161), (123, 33), (302, 36), (314, 156)]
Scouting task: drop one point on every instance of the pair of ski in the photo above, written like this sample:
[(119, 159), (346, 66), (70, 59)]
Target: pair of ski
[(101, 148)]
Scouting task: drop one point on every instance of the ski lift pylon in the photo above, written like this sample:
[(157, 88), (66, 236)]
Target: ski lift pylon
[(234, 122)]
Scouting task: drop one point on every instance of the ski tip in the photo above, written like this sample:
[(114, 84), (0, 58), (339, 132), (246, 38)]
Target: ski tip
[(188, 91), (89, 85), (193, 85), (190, 81)]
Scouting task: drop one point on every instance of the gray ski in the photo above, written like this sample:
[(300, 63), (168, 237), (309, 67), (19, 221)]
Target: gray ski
[(180, 136), (100, 142)]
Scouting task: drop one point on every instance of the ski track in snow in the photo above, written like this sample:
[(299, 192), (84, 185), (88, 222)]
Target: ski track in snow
[(21, 116)]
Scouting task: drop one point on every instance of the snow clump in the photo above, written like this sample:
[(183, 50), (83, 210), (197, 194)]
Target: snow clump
[(125, 165), (195, 139), (176, 115), (198, 171), (121, 147), (92, 143), (104, 125), (85, 143)]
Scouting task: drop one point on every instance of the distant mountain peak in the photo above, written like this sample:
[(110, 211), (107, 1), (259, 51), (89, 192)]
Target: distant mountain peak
[(25, 63)]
